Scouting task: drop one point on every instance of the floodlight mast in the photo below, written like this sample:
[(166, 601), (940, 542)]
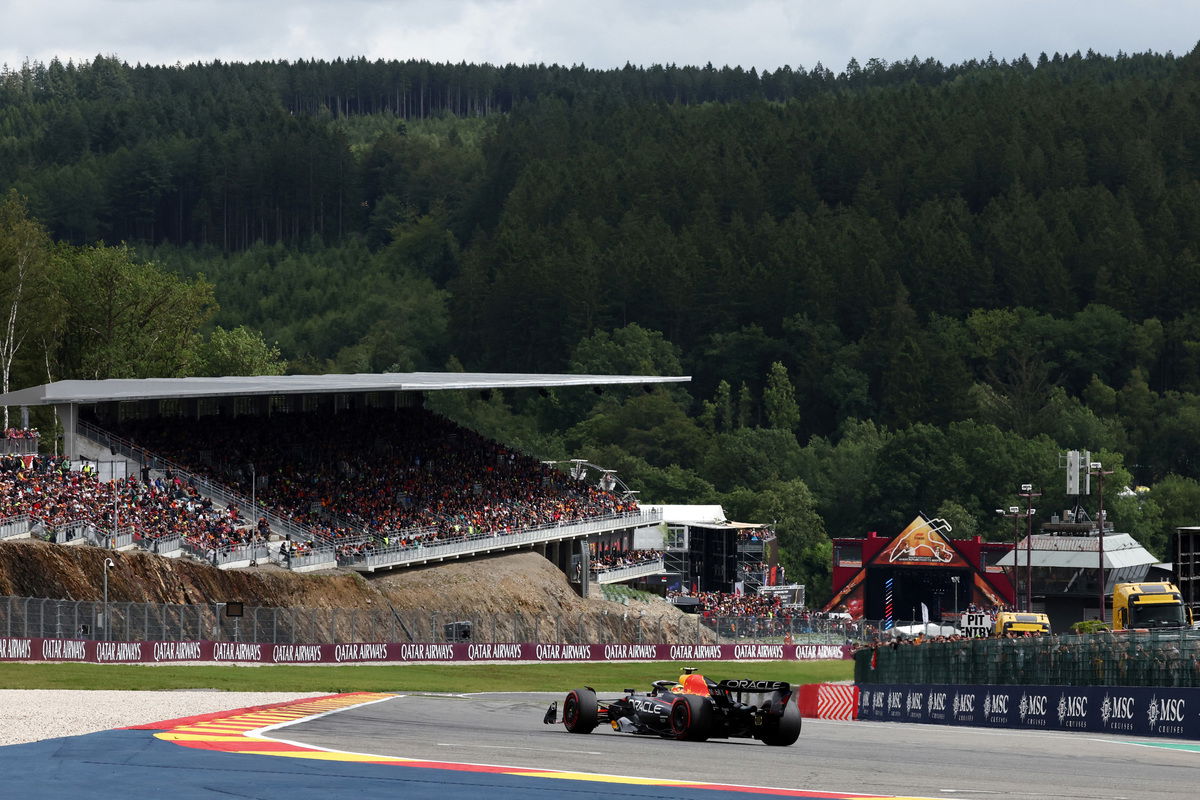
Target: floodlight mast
[(1028, 493), (1016, 513), (1097, 469)]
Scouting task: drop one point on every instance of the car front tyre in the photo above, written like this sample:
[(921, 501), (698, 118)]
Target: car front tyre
[(581, 711)]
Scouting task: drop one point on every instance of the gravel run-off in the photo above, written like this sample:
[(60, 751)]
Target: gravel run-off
[(31, 715)]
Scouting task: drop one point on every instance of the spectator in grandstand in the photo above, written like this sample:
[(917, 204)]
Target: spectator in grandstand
[(53, 495), (616, 559), (401, 478)]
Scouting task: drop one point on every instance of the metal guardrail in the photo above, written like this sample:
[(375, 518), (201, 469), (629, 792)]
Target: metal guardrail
[(22, 446), (224, 556), (420, 553), (325, 558), (14, 526), (251, 553), (65, 533), (619, 574), (162, 545), (205, 486), (131, 622), (84, 531)]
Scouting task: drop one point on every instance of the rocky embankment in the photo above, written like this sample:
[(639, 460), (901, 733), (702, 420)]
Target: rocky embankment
[(514, 589)]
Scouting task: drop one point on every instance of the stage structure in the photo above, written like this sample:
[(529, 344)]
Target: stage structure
[(1187, 566), (704, 551), (890, 579)]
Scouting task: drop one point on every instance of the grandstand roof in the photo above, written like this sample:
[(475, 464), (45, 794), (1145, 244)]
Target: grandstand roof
[(167, 388)]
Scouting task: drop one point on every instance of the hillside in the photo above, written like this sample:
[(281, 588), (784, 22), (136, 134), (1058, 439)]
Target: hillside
[(904, 287), (519, 596)]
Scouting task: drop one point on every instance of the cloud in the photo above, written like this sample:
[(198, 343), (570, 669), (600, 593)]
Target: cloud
[(599, 33)]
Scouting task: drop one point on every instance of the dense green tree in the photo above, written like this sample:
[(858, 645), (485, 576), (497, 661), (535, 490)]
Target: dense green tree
[(128, 319), (650, 426), (241, 351), (750, 457), (30, 299), (779, 400)]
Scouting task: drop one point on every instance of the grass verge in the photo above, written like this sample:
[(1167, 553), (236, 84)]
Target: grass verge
[(411, 678)]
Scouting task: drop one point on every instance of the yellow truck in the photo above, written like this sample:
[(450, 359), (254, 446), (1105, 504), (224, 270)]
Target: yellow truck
[(1149, 605), (1021, 623)]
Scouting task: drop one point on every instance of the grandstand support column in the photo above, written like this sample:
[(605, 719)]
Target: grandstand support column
[(585, 567), (68, 418)]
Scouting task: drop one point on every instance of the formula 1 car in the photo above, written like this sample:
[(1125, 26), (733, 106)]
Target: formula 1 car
[(692, 708)]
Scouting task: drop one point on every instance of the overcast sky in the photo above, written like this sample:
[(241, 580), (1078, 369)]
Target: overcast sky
[(603, 33)]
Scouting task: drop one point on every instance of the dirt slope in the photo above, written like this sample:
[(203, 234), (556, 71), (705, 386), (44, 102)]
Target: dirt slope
[(519, 596)]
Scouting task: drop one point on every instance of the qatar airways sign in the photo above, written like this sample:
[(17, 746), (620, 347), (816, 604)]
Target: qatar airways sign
[(38, 649)]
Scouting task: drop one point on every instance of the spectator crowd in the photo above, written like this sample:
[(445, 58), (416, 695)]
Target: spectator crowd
[(365, 481), (53, 495), (730, 604), (371, 480), (616, 559)]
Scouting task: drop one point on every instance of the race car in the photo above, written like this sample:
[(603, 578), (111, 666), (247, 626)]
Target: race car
[(692, 708)]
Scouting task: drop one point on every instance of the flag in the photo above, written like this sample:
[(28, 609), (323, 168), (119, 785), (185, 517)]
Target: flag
[(924, 613), (888, 622)]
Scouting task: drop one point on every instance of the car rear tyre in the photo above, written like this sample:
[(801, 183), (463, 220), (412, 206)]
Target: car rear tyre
[(581, 711), (784, 729), (691, 718)]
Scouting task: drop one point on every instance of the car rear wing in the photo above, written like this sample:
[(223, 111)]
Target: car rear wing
[(757, 694), (740, 685)]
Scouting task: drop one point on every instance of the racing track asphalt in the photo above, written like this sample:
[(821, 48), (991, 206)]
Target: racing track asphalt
[(437, 746), (856, 757)]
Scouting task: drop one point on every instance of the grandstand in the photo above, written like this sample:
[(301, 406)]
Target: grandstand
[(305, 471)]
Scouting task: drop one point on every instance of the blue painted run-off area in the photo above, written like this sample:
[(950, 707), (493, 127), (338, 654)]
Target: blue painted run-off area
[(130, 765)]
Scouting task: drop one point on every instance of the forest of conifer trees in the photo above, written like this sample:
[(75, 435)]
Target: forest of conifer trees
[(901, 287)]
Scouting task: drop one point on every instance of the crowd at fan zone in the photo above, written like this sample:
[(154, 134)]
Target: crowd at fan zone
[(53, 494), (726, 604), (374, 478)]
